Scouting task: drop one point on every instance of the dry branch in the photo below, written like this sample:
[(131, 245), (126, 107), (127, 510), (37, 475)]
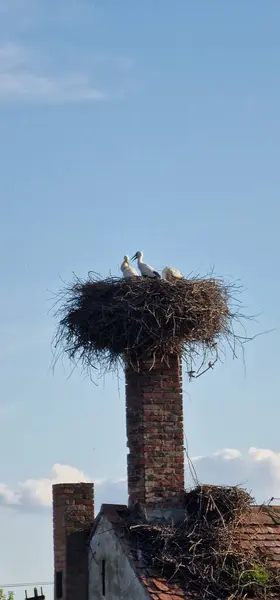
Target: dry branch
[(101, 321), (204, 552)]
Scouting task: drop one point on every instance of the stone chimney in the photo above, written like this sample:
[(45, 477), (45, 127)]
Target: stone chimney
[(154, 415), (73, 514)]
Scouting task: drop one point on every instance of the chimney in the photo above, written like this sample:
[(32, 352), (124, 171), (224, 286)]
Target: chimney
[(154, 414), (73, 514)]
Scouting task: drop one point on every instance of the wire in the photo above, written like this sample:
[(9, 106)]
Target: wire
[(16, 585)]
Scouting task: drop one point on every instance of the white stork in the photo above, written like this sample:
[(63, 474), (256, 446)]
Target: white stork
[(127, 270), (169, 273), (145, 270)]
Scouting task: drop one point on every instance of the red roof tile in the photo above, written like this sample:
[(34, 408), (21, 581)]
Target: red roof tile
[(163, 591), (159, 585), (262, 527)]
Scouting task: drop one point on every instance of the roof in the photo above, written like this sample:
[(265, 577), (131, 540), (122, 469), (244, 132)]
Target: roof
[(160, 589), (263, 524)]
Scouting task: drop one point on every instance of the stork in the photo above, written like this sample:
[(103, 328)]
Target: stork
[(127, 270), (145, 270), (169, 273)]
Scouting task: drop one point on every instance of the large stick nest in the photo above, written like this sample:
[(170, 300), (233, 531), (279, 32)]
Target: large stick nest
[(101, 321), (205, 553)]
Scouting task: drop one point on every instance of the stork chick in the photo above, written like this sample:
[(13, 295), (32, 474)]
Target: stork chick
[(145, 270), (169, 273), (127, 270)]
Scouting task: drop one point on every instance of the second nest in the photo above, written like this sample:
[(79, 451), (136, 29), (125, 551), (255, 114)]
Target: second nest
[(103, 320)]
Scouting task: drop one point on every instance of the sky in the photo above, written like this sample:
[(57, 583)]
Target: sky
[(149, 125)]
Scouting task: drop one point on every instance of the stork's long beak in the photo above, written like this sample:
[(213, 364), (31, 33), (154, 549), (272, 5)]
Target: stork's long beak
[(134, 256)]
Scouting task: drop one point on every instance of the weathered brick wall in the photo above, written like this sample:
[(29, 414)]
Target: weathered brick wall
[(73, 514), (154, 414)]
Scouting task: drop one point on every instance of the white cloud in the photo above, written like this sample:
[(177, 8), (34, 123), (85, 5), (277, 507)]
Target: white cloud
[(20, 81), (8, 496), (228, 454), (258, 471), (38, 492)]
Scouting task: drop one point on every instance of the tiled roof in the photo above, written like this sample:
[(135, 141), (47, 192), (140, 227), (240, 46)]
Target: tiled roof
[(262, 526), (160, 589)]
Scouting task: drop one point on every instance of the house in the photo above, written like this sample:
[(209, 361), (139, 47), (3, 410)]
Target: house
[(94, 557)]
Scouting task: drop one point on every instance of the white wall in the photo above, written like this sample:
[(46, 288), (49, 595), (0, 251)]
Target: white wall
[(120, 579)]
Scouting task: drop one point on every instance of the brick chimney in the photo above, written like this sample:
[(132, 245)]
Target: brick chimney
[(73, 514), (154, 414)]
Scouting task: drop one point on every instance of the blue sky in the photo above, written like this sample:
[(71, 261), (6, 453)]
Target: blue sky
[(124, 125)]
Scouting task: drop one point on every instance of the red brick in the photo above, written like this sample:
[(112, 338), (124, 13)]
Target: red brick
[(155, 431), (73, 513)]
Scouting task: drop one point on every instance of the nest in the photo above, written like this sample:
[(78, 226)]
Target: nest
[(101, 321), (204, 553)]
